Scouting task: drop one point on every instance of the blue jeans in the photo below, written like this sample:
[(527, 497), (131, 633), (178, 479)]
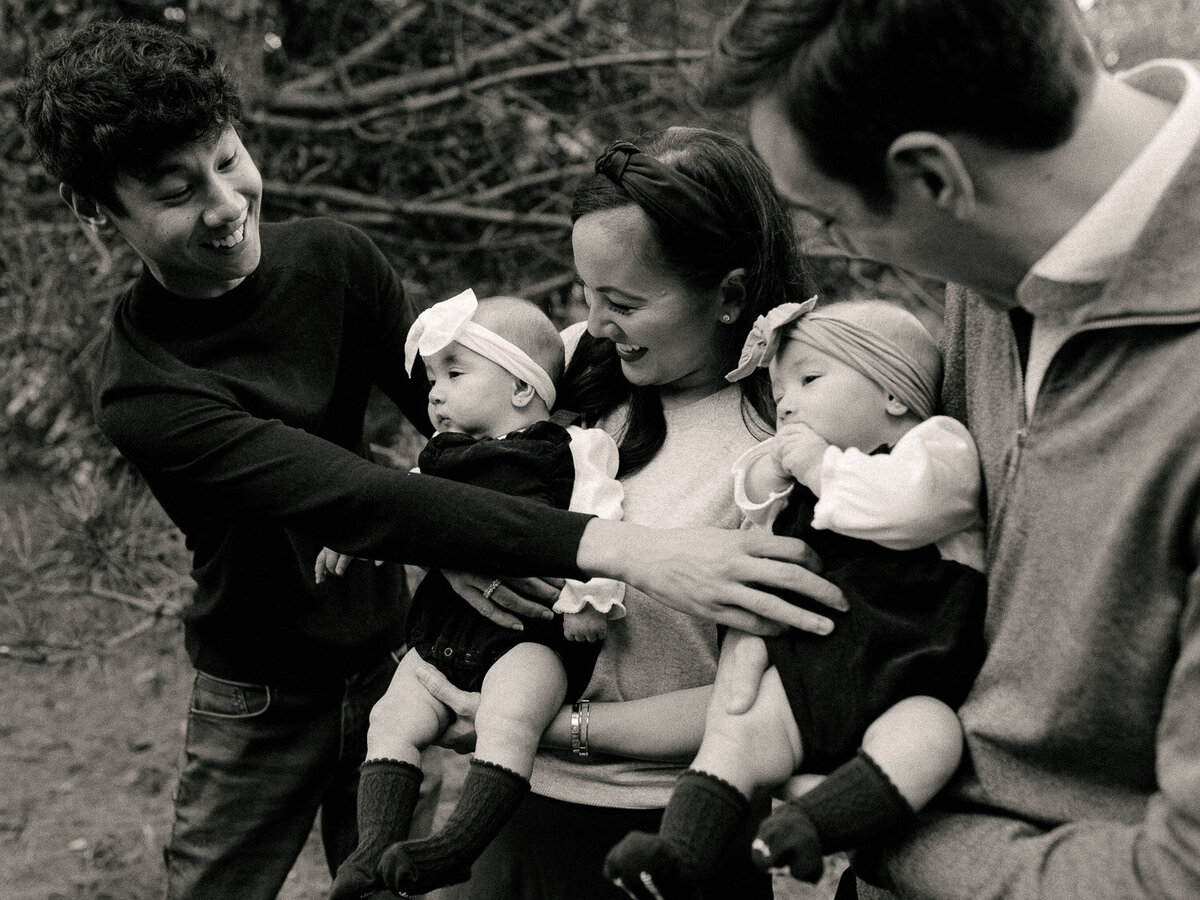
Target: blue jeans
[(258, 763)]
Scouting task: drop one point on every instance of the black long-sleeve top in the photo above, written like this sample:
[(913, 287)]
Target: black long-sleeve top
[(244, 413)]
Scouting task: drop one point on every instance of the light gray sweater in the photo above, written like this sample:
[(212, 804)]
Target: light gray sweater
[(654, 650)]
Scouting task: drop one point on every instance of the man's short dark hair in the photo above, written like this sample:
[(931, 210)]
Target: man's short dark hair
[(116, 96), (854, 75)]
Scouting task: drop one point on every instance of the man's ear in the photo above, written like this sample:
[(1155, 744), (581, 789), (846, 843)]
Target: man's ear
[(87, 210), (733, 295), (926, 167), (523, 393)]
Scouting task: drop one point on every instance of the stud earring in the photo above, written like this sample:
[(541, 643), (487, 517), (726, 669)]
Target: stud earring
[(726, 317)]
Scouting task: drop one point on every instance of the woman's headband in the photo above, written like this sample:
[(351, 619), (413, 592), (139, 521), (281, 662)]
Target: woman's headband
[(450, 321), (910, 374), (669, 197)]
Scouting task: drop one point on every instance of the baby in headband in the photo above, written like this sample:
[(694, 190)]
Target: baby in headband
[(491, 367), (887, 494)]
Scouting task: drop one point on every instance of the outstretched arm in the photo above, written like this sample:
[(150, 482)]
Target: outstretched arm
[(729, 577), (213, 458)]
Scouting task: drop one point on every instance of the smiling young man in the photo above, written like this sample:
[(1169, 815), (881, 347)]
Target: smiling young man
[(235, 377), (980, 143)]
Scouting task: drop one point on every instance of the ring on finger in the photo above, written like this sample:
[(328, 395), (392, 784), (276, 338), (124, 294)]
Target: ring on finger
[(491, 589)]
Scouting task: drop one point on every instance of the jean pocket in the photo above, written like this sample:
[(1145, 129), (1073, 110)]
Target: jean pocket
[(212, 696)]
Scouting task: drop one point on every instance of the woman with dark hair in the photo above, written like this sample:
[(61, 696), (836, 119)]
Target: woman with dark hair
[(679, 244)]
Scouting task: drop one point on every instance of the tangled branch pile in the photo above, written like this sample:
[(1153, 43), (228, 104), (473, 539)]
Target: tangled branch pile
[(454, 134)]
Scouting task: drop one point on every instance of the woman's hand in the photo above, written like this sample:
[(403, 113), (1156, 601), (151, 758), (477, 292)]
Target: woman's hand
[(459, 736), (740, 672), (529, 597), (728, 577)]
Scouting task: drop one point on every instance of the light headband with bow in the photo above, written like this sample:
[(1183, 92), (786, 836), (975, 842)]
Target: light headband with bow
[(877, 356), (450, 321)]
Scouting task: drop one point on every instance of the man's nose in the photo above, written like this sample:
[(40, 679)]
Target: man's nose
[(225, 204)]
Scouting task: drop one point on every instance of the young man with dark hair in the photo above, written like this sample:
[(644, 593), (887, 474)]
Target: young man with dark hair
[(235, 378), (980, 143)]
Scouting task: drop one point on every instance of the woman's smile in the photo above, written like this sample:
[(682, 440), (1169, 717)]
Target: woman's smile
[(630, 352)]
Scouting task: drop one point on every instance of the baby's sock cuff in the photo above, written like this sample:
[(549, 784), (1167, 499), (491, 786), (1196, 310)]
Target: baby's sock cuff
[(381, 764), (703, 817), (855, 802)]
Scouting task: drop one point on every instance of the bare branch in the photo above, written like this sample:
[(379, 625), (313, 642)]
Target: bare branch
[(533, 179), (361, 53), (154, 607), (546, 286), (288, 100), (375, 92), (481, 13), (394, 207)]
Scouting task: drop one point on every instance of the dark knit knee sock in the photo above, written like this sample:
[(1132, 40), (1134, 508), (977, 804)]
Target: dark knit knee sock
[(387, 795), (490, 795), (697, 831), (856, 802), (702, 819)]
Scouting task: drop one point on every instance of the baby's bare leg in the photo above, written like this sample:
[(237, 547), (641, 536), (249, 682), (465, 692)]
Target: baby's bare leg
[(521, 694), (758, 748), (407, 718), (918, 743), (403, 722), (908, 754), (738, 754)]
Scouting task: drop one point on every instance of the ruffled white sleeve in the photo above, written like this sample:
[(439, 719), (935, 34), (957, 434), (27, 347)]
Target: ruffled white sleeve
[(927, 489), (596, 491), (760, 513)]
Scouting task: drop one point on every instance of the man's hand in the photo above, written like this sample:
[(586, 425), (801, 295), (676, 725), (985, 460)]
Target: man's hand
[(799, 450), (529, 597), (459, 736), (728, 577)]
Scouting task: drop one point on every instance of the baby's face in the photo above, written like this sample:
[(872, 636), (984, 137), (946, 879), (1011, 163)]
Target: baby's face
[(834, 399), (468, 393)]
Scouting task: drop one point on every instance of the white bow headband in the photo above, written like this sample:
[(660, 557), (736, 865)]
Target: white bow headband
[(449, 321)]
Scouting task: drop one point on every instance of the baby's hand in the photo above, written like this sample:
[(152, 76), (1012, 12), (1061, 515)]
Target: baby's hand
[(588, 624), (330, 562), (799, 450)]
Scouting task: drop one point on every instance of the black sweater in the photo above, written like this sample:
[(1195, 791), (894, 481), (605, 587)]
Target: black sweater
[(244, 413)]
